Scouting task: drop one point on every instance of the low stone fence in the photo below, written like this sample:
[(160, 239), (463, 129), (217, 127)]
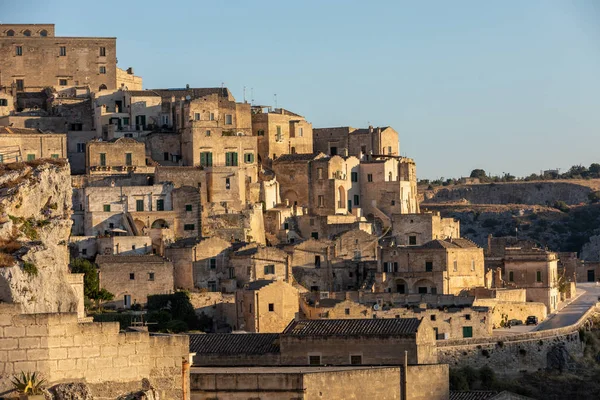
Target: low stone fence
[(511, 354)]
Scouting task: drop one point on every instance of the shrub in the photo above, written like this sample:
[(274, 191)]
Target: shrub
[(458, 381), (490, 223), (487, 377), (125, 320), (30, 268), (561, 205), (176, 326)]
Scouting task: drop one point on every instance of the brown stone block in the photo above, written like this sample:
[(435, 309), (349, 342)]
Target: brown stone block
[(126, 350), (14, 331), (9, 344), (25, 366), (57, 353), (74, 352), (104, 362), (136, 360), (46, 366), (37, 354), (29, 343), (66, 365), (17, 355), (108, 351), (36, 330)]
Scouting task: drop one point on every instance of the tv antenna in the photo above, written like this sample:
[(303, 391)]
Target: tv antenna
[(275, 99)]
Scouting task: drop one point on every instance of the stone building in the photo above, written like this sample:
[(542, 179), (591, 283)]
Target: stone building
[(127, 80), (257, 262), (438, 266), (121, 156), (280, 132), (21, 144), (356, 142), (7, 103), (266, 306), (535, 270), (203, 263), (133, 278), (66, 61), (447, 322), (418, 229), (293, 172)]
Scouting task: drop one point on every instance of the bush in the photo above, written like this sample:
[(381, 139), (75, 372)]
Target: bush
[(561, 205), (458, 381), (487, 377), (176, 326), (490, 223), (178, 305), (30, 269)]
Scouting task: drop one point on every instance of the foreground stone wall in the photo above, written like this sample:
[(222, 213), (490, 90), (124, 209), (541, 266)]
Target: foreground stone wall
[(111, 363)]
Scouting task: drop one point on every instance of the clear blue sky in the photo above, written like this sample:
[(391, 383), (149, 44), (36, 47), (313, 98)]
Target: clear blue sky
[(507, 86)]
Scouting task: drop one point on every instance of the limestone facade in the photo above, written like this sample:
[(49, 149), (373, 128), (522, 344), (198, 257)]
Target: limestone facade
[(356, 142), (66, 61), (280, 132), (20, 144), (417, 229), (266, 306), (121, 156), (133, 278), (127, 80), (256, 262)]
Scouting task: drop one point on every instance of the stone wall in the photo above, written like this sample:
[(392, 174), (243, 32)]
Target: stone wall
[(112, 363), (503, 311)]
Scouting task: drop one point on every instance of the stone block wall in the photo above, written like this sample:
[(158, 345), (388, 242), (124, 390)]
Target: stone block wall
[(63, 350)]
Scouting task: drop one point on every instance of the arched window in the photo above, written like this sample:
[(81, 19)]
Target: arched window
[(10, 33), (43, 33), (102, 87), (27, 32)]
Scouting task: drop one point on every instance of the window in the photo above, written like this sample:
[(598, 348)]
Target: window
[(389, 149), (27, 33), (84, 251), (139, 205), (314, 235), (44, 33), (81, 147), (102, 51), (208, 132), (231, 159), (3, 102), (347, 311), (248, 158), (189, 227), (206, 159), (106, 208), (422, 290), (165, 120), (269, 269), (103, 159), (212, 263), (511, 276), (150, 276), (355, 359), (472, 265), (332, 151), (467, 331), (468, 317), (393, 202), (433, 317), (356, 200), (111, 225), (321, 201), (188, 207), (227, 184), (428, 266), (271, 307), (55, 156), (30, 157), (278, 136), (314, 360), (370, 178), (212, 116), (286, 226), (260, 132), (62, 82), (455, 265), (319, 173), (363, 149), (131, 276), (1, 158), (412, 240), (63, 51), (354, 176), (19, 50), (538, 276), (102, 69), (160, 205), (76, 127), (228, 119), (128, 159), (318, 261), (300, 131), (10, 33), (197, 116), (212, 287)]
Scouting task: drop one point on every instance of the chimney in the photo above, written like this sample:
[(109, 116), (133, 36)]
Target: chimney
[(370, 128), (379, 131), (130, 71), (345, 152), (187, 86)]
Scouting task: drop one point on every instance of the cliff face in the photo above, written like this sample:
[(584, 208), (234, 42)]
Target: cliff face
[(532, 193), (35, 223)]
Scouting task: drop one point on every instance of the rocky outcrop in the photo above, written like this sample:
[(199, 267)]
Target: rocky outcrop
[(540, 193), (35, 223)]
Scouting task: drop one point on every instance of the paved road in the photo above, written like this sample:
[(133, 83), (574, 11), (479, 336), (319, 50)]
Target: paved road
[(572, 312)]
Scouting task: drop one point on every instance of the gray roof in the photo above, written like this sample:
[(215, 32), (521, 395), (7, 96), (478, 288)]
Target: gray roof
[(143, 93), (297, 157), (354, 327), (234, 343), (449, 244), (472, 395), (257, 285), (142, 258), (194, 93)]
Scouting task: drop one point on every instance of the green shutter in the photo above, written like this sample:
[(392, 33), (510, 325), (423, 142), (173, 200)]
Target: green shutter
[(228, 159), (234, 159), (203, 159)]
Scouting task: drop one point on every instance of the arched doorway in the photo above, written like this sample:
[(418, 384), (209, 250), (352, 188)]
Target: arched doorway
[(401, 286), (425, 286), (291, 196), (140, 226), (342, 197), (159, 224), (102, 87)]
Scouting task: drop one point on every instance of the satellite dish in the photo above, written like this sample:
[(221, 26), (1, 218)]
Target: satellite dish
[(188, 97), (376, 307)]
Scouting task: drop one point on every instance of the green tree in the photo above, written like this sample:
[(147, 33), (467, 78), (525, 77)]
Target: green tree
[(91, 283), (478, 173), (594, 170)]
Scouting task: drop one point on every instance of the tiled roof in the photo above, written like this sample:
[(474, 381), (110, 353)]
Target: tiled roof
[(353, 327), (247, 251), (449, 244), (297, 157), (143, 93), (257, 285), (142, 258), (234, 343), (19, 131), (472, 395), (194, 93)]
